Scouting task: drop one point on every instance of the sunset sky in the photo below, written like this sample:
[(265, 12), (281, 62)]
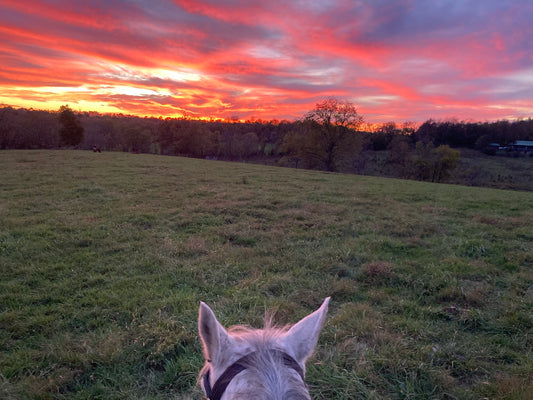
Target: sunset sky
[(397, 60)]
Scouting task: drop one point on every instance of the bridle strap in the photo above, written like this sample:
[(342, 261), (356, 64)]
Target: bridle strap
[(218, 389)]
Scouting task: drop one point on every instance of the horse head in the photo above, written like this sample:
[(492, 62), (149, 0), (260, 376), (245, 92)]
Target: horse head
[(268, 363)]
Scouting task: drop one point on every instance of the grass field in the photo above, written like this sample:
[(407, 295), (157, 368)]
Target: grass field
[(105, 257), (474, 168)]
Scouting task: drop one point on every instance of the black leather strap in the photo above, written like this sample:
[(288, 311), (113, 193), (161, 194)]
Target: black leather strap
[(218, 389)]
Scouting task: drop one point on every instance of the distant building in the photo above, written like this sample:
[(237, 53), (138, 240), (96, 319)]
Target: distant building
[(516, 148), (522, 145)]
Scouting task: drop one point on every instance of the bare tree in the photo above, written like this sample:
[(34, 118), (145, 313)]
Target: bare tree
[(331, 140), (333, 112)]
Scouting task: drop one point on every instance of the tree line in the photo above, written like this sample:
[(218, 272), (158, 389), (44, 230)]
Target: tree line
[(328, 138)]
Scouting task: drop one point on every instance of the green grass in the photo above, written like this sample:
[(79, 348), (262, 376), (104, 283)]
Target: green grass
[(105, 257)]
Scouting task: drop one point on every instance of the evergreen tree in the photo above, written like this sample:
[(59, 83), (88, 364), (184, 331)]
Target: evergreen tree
[(71, 131)]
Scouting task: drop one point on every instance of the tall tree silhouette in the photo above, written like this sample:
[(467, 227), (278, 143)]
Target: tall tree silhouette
[(71, 131)]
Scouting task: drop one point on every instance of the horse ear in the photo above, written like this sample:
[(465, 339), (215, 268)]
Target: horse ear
[(301, 339), (213, 335)]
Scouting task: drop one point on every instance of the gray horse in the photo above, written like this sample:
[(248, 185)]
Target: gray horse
[(261, 364)]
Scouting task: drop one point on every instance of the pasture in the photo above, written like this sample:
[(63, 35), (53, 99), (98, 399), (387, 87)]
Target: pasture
[(104, 259)]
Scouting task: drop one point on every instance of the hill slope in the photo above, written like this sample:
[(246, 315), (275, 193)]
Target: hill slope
[(105, 257)]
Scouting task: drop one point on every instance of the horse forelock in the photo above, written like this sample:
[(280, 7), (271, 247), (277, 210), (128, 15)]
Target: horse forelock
[(266, 335)]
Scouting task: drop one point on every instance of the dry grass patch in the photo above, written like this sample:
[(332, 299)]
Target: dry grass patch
[(378, 272), (510, 387), (196, 245), (343, 289), (434, 209), (488, 220), (466, 293), (476, 294)]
